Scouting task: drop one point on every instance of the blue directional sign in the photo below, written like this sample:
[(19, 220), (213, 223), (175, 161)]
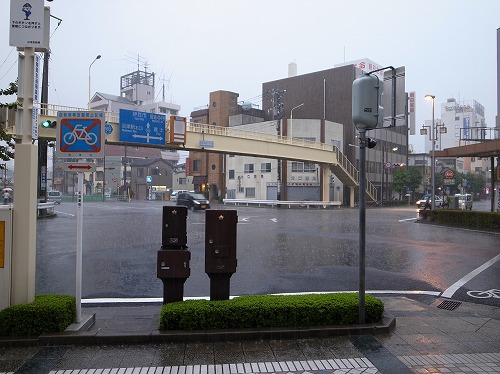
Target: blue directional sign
[(142, 127)]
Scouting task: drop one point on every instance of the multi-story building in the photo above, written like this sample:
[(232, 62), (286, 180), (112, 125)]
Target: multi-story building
[(460, 124), (151, 178), (324, 97), (112, 175)]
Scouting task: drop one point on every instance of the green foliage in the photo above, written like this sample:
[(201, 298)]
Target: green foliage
[(6, 142), (463, 218), (263, 311), (47, 314), (410, 177)]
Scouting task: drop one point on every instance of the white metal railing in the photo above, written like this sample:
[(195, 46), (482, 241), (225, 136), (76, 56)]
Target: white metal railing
[(45, 209), (302, 203), (243, 134)]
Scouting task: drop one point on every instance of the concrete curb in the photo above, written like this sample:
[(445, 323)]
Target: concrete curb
[(154, 336)]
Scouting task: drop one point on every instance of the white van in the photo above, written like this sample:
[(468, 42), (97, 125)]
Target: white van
[(464, 201), (54, 197)]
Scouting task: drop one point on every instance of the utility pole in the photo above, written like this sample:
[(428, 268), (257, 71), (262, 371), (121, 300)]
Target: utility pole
[(42, 143), (277, 108)]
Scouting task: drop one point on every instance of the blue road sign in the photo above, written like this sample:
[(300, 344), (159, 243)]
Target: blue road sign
[(142, 127), (80, 134)]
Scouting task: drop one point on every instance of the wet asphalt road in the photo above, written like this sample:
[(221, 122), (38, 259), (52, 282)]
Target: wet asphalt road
[(279, 251)]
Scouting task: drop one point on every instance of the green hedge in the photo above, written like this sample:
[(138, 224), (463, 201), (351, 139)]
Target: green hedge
[(261, 311), (463, 218), (47, 314)]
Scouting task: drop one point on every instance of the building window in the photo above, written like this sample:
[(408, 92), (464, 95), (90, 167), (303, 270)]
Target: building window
[(214, 167), (297, 167), (303, 167), (265, 167), (250, 192), (231, 174), (140, 172), (196, 165), (156, 171), (99, 175), (309, 167), (182, 181), (248, 168)]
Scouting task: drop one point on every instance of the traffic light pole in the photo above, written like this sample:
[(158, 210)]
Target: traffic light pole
[(362, 225)]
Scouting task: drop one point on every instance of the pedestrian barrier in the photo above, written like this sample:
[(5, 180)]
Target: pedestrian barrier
[(289, 204), (46, 209)]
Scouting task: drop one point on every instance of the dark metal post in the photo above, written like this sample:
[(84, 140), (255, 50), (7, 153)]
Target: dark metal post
[(362, 224)]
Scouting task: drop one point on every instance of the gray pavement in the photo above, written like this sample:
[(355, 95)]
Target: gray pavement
[(462, 338)]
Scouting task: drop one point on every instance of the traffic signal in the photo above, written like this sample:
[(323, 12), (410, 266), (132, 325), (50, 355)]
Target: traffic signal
[(367, 109), (48, 124), (371, 143)]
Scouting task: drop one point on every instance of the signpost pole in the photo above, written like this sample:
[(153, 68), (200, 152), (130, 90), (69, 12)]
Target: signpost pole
[(79, 232)]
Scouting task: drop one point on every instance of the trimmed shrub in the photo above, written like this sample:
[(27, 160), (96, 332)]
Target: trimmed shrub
[(263, 311), (463, 218), (47, 314)]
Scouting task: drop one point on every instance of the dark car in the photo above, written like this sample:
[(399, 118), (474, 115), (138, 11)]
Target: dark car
[(193, 201)]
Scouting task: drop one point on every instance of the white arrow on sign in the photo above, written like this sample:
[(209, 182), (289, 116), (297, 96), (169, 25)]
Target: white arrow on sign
[(147, 137), (274, 220)]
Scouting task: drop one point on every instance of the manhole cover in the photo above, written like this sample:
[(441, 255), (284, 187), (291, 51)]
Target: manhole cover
[(449, 305)]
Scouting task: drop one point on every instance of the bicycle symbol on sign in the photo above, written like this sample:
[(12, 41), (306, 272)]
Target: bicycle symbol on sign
[(79, 132), (485, 294)]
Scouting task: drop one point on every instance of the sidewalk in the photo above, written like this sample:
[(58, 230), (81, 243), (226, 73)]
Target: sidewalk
[(426, 339)]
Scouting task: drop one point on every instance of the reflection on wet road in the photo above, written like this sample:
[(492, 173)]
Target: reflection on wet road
[(279, 251)]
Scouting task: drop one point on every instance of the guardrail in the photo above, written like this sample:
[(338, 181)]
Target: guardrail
[(289, 204), (46, 209)]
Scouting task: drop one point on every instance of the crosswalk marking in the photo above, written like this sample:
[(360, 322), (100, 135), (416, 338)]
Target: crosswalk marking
[(469, 362)]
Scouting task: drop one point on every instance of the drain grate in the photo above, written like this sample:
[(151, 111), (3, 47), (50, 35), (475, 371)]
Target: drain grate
[(449, 305)]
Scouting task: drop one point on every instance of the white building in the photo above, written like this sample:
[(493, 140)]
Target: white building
[(137, 93), (256, 177), (460, 124)]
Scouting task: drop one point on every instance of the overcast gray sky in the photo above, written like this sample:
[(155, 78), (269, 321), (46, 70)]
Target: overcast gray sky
[(199, 46)]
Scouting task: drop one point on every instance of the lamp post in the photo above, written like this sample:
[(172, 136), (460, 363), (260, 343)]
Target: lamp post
[(291, 119), (433, 154), (92, 63), (385, 173)]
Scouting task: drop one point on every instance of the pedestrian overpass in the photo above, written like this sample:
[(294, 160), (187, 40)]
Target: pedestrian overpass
[(231, 140)]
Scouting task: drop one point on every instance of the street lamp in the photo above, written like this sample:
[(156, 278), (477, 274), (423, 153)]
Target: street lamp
[(95, 59), (385, 173), (291, 119), (433, 154)]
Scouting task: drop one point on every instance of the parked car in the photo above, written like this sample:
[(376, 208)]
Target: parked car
[(175, 194), (193, 201), (464, 201), (438, 201), (54, 197)]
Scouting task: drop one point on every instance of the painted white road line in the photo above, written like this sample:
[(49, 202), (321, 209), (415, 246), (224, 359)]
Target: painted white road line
[(68, 214), (407, 219), (112, 300), (450, 291)]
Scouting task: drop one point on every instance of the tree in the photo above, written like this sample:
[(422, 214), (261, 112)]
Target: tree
[(6, 142), (410, 177)]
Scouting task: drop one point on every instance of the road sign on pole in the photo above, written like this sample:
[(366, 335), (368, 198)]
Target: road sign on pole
[(80, 134), (142, 127)]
